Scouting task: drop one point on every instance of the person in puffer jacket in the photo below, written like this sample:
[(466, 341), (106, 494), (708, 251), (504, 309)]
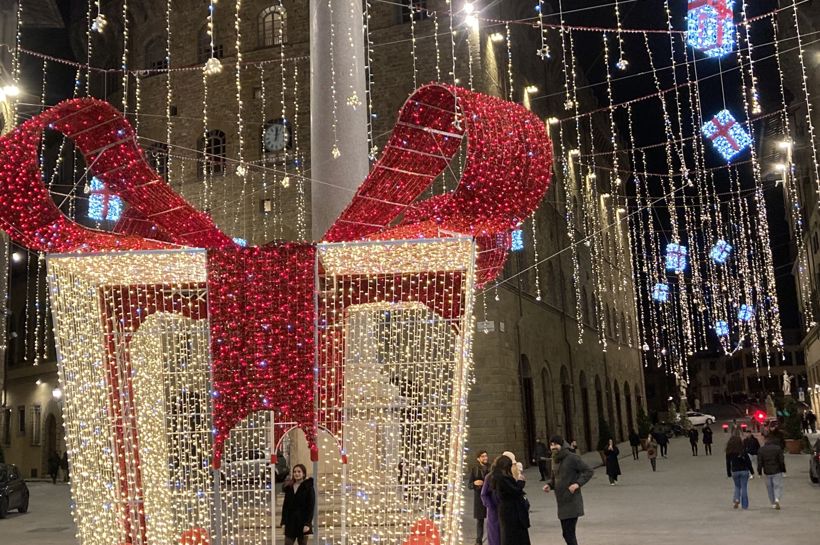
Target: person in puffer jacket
[(771, 462)]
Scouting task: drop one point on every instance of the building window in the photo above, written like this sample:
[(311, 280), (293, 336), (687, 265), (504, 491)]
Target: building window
[(156, 57), (214, 148), (36, 426), (273, 26), (203, 51), (417, 9), (6, 422), (157, 157), (21, 420)]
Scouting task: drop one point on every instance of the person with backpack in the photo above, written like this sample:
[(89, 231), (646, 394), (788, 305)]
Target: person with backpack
[(652, 451), (663, 443)]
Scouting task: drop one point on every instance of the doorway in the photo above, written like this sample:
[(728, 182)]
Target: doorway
[(585, 409), (525, 373), (566, 398)]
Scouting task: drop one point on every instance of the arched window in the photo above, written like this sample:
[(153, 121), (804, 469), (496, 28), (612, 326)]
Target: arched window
[(203, 46), (156, 58), (213, 148), (273, 26)]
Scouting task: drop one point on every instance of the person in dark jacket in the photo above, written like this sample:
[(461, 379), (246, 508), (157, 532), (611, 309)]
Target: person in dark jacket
[(811, 418), (64, 465), (541, 455), (488, 498), (707, 440), (771, 462), (513, 507), (569, 474), (738, 468), (478, 473), (652, 451), (634, 442), (752, 446), (298, 507), (693, 440), (663, 442), (613, 468), (53, 465)]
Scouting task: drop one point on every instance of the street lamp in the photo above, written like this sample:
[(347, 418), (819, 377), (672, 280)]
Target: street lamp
[(57, 393)]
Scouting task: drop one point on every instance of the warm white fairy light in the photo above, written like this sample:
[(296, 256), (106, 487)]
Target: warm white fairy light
[(124, 63), (335, 152), (621, 63), (544, 50), (169, 98), (242, 170), (301, 201), (371, 144), (510, 86)]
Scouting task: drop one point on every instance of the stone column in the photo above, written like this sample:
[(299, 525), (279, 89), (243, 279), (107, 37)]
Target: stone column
[(339, 28)]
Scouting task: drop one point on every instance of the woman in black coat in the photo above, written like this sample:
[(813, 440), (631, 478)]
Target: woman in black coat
[(707, 440), (298, 507), (613, 467), (513, 506)]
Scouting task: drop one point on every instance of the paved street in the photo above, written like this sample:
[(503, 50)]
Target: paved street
[(687, 502)]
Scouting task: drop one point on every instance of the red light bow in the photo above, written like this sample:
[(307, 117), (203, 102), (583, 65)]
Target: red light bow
[(506, 174)]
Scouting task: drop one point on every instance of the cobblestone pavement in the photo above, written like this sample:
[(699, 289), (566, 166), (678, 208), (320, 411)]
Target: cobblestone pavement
[(687, 502)]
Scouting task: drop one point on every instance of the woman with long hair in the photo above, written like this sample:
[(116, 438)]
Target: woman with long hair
[(513, 506), (298, 507), (488, 498), (738, 468)]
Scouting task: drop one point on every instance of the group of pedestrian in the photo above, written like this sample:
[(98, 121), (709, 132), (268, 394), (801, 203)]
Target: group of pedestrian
[(500, 500), (707, 440), (741, 458), (55, 464)]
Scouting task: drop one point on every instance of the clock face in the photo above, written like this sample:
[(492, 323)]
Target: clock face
[(277, 136)]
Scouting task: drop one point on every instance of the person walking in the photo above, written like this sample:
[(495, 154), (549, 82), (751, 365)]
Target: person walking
[(663, 443), (478, 473), (513, 506), (734, 429), (693, 441), (752, 446), (804, 423), (811, 418), (64, 465), (298, 507), (634, 442), (771, 461), (707, 440), (738, 468), (569, 474), (613, 467), (541, 457), (53, 465), (652, 451), (488, 498)]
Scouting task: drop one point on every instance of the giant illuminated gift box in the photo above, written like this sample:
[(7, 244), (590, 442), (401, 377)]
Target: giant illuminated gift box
[(183, 356)]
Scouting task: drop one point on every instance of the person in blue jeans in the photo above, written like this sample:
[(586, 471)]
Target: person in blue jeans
[(738, 468), (771, 463)]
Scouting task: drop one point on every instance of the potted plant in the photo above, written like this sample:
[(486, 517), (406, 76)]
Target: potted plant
[(604, 435), (793, 429), (644, 426)]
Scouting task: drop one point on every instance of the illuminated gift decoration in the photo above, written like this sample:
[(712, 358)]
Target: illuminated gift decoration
[(720, 251), (676, 257), (197, 356), (746, 313), (660, 292), (711, 27), (517, 243), (722, 328), (102, 205), (726, 134)]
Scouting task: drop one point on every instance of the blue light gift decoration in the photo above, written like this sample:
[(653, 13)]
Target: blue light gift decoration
[(711, 27), (726, 134), (746, 313), (720, 252), (102, 204), (722, 328), (660, 292), (676, 257), (517, 241)]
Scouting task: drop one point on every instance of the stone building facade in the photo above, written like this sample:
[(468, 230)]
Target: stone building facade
[(532, 377), (803, 160)]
